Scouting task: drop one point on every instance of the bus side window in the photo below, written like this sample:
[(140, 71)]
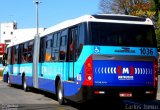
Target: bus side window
[(79, 40), (63, 46), (55, 50), (70, 45), (20, 53), (25, 53), (16, 54), (9, 56), (42, 49), (13, 55), (30, 51), (72, 42), (49, 45)]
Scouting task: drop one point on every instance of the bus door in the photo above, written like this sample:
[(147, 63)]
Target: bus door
[(71, 52), (35, 61), (14, 67), (63, 52)]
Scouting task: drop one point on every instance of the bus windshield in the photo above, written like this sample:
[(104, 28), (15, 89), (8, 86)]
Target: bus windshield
[(116, 34)]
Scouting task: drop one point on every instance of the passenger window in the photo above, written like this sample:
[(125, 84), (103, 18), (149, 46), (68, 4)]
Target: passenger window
[(72, 44), (42, 49), (56, 44), (13, 55), (30, 46), (63, 46), (16, 54), (25, 47), (9, 56), (55, 40), (25, 53), (49, 45), (80, 40), (30, 51)]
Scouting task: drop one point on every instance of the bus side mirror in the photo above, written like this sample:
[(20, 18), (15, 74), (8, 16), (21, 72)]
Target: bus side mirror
[(4, 59)]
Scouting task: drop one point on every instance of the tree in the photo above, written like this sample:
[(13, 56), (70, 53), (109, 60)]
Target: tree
[(158, 34), (157, 21), (157, 6), (128, 7), (143, 9), (114, 6)]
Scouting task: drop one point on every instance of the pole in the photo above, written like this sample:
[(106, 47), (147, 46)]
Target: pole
[(37, 22), (36, 51)]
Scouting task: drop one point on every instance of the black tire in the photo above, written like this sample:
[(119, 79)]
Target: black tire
[(60, 94), (25, 88)]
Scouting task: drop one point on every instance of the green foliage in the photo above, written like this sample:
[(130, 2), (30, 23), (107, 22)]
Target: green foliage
[(158, 33), (129, 7), (153, 8)]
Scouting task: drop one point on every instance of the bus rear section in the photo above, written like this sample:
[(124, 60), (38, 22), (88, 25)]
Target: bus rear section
[(122, 63), (125, 76)]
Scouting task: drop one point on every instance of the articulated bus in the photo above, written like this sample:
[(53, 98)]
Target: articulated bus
[(90, 57)]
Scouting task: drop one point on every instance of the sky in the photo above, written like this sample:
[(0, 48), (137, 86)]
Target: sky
[(51, 12)]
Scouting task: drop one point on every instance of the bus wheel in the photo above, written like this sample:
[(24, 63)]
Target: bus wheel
[(60, 94), (25, 88)]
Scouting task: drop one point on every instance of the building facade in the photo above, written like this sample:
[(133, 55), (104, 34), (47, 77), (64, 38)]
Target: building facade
[(10, 33)]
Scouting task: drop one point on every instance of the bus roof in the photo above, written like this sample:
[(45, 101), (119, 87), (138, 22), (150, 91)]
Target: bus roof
[(114, 18), (109, 18)]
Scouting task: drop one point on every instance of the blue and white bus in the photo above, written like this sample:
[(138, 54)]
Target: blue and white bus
[(93, 56)]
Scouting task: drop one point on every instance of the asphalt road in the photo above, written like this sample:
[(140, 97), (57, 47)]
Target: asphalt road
[(14, 98)]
